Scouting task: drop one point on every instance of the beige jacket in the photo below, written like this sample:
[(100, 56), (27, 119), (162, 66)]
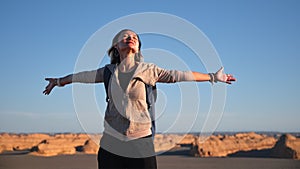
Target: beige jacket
[(126, 115)]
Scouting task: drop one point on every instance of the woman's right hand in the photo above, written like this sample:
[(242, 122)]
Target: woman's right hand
[(50, 86)]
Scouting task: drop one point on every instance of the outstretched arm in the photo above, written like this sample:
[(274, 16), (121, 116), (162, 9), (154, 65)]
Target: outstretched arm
[(219, 76), (94, 76), (172, 76)]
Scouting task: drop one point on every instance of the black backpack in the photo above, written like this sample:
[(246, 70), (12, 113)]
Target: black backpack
[(151, 94)]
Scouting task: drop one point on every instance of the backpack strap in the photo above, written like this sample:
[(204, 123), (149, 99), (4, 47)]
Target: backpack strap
[(151, 95), (108, 70)]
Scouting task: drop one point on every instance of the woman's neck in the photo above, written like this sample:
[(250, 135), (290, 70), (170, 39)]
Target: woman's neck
[(127, 62)]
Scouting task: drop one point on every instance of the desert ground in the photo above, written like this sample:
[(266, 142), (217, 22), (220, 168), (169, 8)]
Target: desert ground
[(170, 160)]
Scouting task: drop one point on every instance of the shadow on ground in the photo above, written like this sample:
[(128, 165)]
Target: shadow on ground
[(265, 153), (179, 151)]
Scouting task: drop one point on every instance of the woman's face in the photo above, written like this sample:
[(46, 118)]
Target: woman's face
[(128, 40)]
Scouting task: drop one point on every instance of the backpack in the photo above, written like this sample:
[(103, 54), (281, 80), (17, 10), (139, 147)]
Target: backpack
[(151, 94)]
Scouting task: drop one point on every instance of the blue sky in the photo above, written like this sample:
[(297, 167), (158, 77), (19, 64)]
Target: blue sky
[(257, 41)]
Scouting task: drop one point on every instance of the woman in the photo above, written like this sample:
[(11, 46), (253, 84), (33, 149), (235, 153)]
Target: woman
[(127, 138)]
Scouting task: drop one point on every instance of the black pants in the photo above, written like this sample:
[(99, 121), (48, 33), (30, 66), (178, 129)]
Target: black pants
[(109, 160)]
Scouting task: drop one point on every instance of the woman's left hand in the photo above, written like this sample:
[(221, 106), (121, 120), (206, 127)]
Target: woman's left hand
[(220, 76)]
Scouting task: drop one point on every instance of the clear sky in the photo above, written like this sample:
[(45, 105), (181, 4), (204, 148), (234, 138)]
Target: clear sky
[(257, 41)]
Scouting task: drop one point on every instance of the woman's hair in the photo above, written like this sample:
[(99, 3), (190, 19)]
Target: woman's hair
[(114, 53)]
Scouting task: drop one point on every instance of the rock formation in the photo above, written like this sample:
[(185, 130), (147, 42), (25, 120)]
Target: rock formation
[(90, 147), (221, 146), (165, 142), (15, 142), (287, 145), (44, 144), (52, 148)]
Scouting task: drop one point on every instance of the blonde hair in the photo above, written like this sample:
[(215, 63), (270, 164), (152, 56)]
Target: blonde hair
[(113, 53)]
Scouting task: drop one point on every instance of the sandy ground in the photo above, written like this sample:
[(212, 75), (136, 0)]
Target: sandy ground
[(165, 161)]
